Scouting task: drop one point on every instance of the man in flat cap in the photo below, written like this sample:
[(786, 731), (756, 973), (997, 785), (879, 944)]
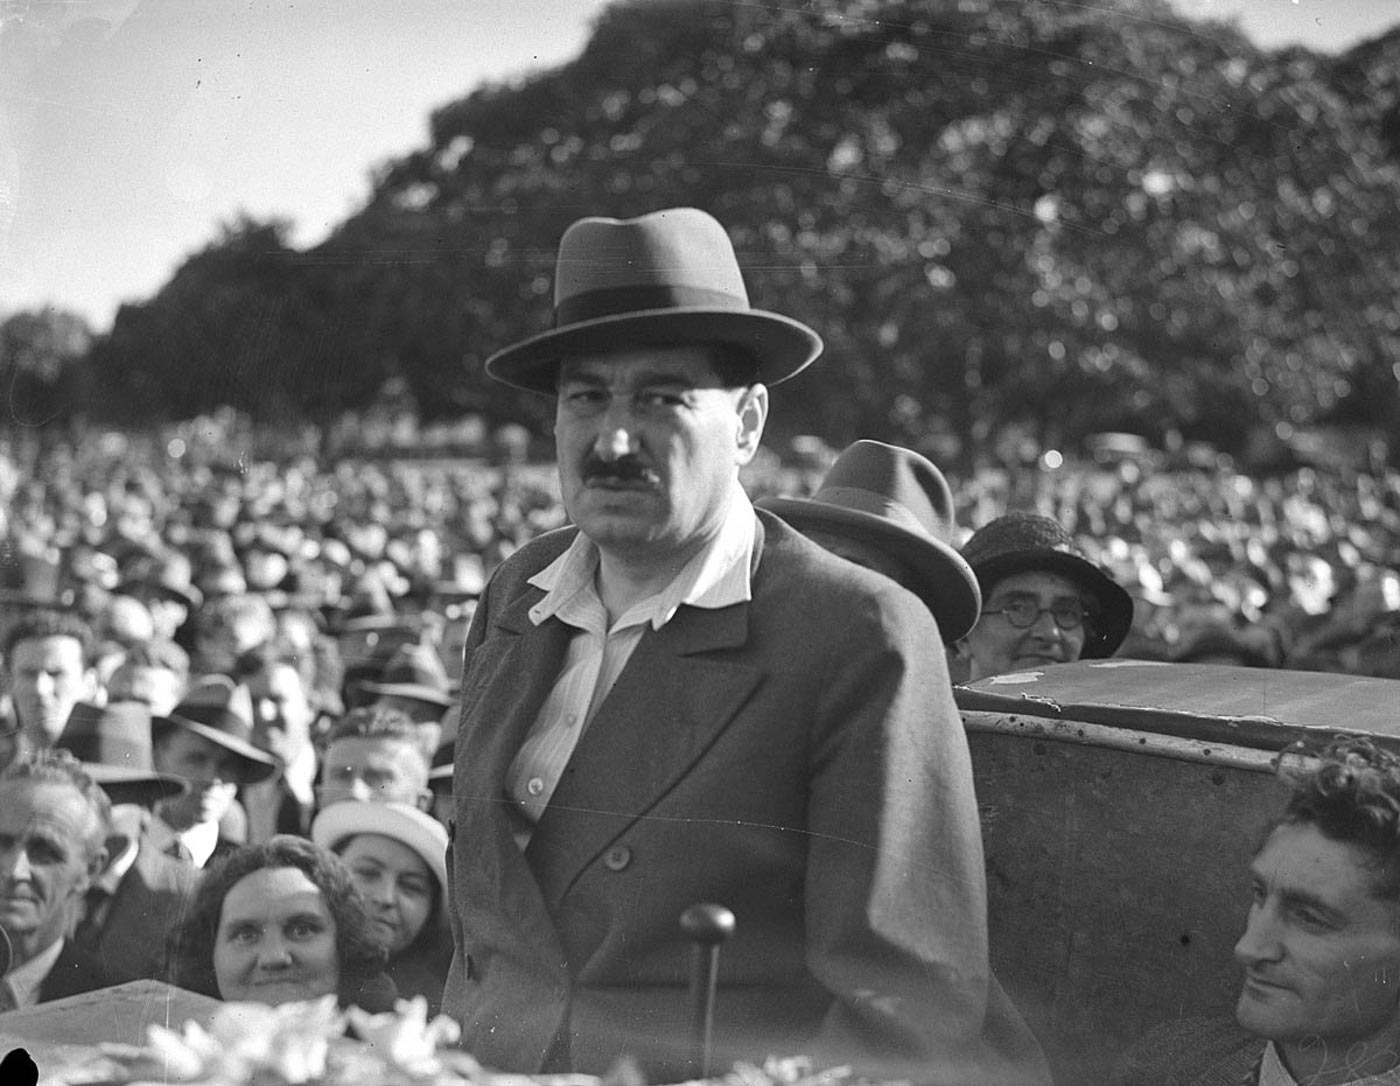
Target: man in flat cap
[(679, 699)]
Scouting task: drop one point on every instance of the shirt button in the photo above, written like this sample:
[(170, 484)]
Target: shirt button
[(617, 858), (535, 785)]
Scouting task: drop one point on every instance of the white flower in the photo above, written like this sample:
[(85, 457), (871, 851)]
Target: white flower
[(405, 1038)]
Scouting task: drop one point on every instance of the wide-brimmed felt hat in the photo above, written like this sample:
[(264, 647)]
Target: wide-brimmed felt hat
[(899, 502), (669, 278), (220, 710), (1020, 541), (421, 832), (113, 742), (414, 671)]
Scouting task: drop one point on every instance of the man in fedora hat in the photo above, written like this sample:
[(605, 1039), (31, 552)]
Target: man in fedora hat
[(415, 683), (206, 741), (1044, 601), (890, 509), (680, 699), (142, 893)]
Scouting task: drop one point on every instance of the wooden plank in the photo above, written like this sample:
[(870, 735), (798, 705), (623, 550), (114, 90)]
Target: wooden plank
[(119, 1014)]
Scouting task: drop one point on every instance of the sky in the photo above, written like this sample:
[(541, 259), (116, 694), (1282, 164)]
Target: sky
[(131, 129)]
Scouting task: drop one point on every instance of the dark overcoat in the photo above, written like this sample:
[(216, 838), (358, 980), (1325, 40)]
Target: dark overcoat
[(797, 758)]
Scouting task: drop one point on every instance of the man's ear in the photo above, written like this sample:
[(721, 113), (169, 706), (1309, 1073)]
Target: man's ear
[(753, 414), (961, 649), (425, 801)]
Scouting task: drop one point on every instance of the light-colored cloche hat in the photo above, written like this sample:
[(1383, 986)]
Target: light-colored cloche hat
[(898, 501), (1019, 541), (670, 278), (421, 832)]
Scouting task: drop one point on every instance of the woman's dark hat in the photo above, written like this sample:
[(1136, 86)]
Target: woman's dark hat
[(898, 501), (1019, 541), (219, 710), (670, 278), (113, 742)]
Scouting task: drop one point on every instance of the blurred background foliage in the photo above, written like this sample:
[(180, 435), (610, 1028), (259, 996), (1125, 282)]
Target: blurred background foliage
[(998, 213)]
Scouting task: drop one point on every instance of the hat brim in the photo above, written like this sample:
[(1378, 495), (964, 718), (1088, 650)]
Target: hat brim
[(422, 833), (1115, 617), (258, 765), (781, 346), (408, 690), (139, 786), (943, 579)]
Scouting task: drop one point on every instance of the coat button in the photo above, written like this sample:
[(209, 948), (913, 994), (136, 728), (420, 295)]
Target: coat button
[(617, 857)]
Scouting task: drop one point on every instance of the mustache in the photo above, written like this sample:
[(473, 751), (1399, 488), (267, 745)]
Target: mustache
[(625, 469)]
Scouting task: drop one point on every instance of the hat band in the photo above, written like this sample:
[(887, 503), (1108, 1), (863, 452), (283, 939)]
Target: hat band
[(618, 301)]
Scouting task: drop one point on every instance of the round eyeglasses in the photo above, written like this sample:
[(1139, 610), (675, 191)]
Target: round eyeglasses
[(1026, 613)]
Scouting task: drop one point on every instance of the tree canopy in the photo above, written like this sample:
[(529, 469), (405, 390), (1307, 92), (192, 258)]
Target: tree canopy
[(995, 212)]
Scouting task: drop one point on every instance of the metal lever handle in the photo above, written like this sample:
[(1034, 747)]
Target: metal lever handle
[(707, 926)]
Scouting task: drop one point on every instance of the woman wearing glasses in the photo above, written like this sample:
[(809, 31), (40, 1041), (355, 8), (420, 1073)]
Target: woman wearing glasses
[(1043, 601)]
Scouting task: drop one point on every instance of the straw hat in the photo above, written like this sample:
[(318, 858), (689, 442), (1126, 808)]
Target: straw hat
[(669, 278), (898, 502)]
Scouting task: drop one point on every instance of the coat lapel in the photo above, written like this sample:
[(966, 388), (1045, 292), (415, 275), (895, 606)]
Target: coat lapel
[(670, 703)]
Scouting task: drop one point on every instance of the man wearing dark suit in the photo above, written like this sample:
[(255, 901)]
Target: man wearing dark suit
[(682, 700), (53, 829), (141, 895)]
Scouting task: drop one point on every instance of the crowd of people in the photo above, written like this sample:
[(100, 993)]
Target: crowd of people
[(279, 730)]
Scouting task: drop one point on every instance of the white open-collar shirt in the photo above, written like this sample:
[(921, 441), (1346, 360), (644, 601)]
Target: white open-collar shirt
[(717, 576)]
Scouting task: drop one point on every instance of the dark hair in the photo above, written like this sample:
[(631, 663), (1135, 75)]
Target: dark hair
[(59, 766), (360, 953), (50, 622), (1353, 797)]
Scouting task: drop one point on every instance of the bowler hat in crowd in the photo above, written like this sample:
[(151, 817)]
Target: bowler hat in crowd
[(219, 710), (899, 502), (1019, 542), (113, 742), (670, 278)]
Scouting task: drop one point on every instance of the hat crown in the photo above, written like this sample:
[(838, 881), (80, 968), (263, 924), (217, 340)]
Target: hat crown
[(116, 734), (677, 257), (417, 664), (1019, 533), (219, 703), (891, 482)]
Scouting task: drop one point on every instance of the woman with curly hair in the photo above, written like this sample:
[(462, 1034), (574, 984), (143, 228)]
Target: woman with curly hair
[(280, 922)]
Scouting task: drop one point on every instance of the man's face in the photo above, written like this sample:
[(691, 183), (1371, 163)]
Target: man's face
[(283, 711), (380, 770), (1321, 952), (49, 677), (649, 444), (212, 772), (995, 646), (48, 856)]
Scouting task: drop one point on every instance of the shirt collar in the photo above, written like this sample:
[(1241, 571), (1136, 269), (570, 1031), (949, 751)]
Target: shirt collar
[(24, 980), (717, 576), (1272, 1072)]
